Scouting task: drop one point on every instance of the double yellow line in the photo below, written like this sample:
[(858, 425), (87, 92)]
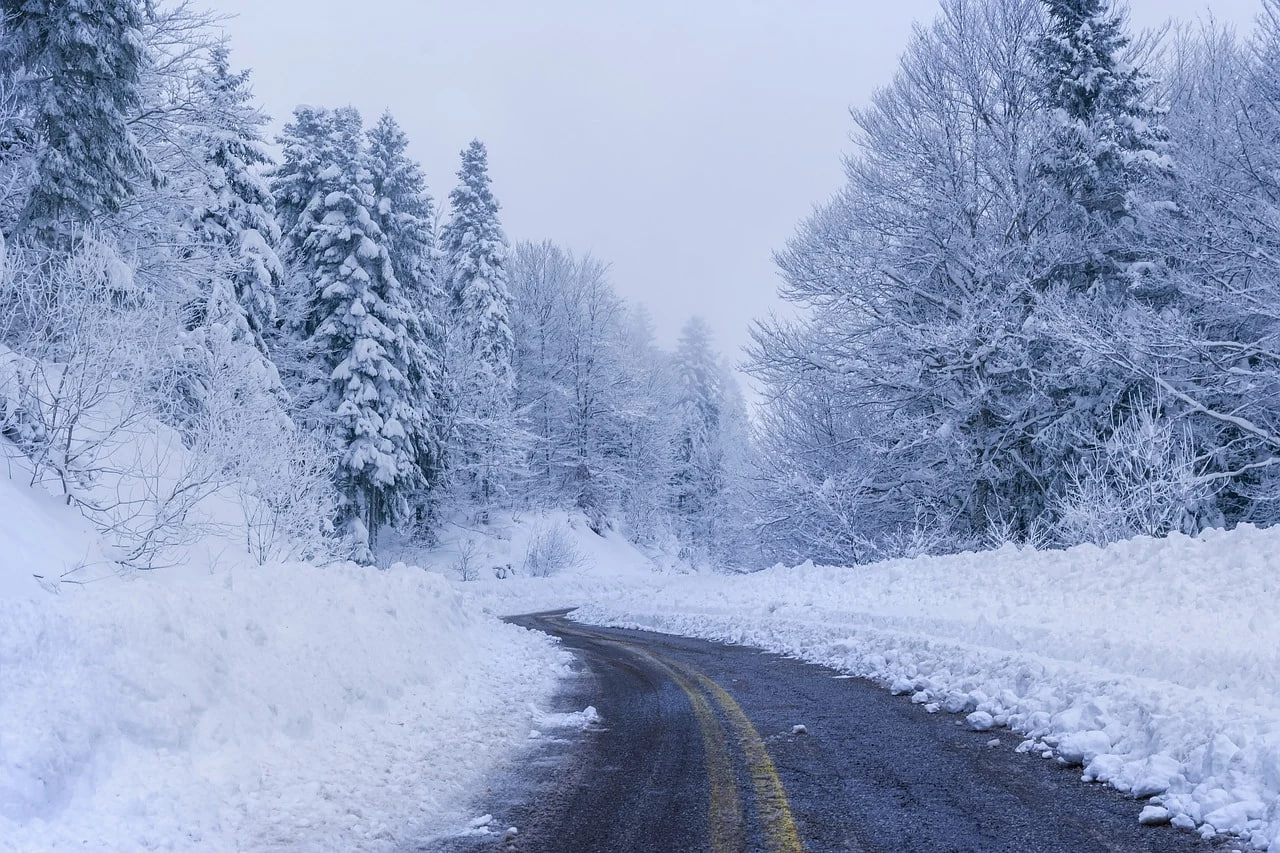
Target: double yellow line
[(725, 817), (772, 808), (726, 813)]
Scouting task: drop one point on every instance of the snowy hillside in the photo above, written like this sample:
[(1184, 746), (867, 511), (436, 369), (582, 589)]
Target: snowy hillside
[(1154, 664), (221, 705)]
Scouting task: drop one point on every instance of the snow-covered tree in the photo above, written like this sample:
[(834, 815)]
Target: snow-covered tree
[(405, 214), (352, 317), (239, 213), (974, 291), (578, 374), (479, 363), (1106, 144), (709, 421), (908, 382), (475, 260), (647, 430), (77, 66), (1214, 357)]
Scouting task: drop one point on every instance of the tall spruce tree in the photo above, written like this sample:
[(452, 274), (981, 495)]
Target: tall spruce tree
[(404, 211), (1106, 176), (698, 476), (475, 257), (76, 64), (353, 318), (1106, 146), (239, 213)]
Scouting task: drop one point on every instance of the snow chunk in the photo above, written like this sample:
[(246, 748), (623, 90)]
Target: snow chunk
[(980, 721), (1083, 747), (1154, 816)]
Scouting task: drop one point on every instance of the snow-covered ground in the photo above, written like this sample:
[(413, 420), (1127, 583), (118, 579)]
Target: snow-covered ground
[(221, 705)]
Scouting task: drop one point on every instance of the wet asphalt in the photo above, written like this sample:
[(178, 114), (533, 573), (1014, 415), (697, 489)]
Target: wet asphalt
[(872, 771)]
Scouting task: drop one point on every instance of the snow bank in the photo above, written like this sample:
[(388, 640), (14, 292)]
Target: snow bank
[(1154, 664), (290, 707), (219, 705)]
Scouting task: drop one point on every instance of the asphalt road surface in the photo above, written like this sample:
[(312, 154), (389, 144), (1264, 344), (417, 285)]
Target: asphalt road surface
[(696, 751)]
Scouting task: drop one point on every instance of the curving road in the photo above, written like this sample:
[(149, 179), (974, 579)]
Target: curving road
[(696, 752)]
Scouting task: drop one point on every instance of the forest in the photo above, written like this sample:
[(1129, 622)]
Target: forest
[(326, 339), (1041, 309)]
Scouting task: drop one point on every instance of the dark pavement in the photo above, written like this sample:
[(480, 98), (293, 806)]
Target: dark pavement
[(695, 752)]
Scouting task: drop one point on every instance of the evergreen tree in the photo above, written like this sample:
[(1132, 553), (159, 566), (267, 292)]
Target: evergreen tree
[(354, 320), (1106, 176), (475, 256), (217, 216), (406, 212), (698, 476), (297, 183), (77, 64), (239, 213), (481, 343), (1106, 145), (405, 215)]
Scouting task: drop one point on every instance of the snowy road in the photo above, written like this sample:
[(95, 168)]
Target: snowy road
[(698, 750)]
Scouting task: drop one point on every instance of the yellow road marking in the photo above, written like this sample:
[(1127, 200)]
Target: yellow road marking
[(725, 816), (771, 798)]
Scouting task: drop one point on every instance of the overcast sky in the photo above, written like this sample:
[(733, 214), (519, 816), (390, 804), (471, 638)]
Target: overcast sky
[(678, 140)]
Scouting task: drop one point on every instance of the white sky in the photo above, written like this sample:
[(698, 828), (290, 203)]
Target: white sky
[(679, 140)]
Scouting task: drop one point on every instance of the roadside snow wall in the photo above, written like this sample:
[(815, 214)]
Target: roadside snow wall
[(219, 705)]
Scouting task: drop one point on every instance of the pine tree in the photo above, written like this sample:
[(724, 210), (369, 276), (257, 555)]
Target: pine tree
[(406, 216), (77, 65), (475, 256), (698, 476), (239, 214), (309, 152), (1106, 176), (1106, 143), (219, 214), (353, 319)]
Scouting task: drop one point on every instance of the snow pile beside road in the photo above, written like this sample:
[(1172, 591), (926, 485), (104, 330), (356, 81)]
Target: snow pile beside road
[(1154, 664), (220, 705)]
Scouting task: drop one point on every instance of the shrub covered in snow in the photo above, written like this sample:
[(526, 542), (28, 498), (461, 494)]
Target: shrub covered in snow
[(550, 551)]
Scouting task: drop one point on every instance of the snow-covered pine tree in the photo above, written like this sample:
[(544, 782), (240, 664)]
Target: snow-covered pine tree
[(404, 211), (218, 214), (1106, 146), (299, 184), (698, 476), (352, 317), (76, 64), (1108, 186), (240, 211), (481, 345), (309, 151)]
